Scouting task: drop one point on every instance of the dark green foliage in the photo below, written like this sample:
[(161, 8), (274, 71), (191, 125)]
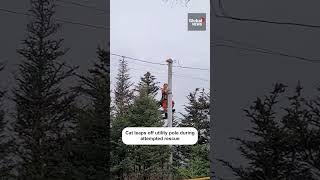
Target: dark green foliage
[(44, 111), (124, 96), (120, 162), (274, 153), (198, 165), (91, 147), (144, 112), (146, 160), (302, 124), (192, 161), (139, 162), (149, 84), (197, 114), (123, 92), (6, 164)]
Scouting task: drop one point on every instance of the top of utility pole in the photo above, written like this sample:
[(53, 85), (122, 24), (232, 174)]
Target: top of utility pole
[(169, 61)]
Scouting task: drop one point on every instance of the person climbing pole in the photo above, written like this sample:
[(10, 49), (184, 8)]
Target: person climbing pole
[(164, 99)]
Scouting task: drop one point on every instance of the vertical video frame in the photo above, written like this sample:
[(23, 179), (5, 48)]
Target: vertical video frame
[(160, 89)]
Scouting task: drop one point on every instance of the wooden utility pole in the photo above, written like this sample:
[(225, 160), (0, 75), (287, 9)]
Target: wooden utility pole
[(169, 112)]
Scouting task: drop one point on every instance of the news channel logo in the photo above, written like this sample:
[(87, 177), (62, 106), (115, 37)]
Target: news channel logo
[(197, 21)]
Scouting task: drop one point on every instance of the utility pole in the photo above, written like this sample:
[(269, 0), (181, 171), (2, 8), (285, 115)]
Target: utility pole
[(169, 112)]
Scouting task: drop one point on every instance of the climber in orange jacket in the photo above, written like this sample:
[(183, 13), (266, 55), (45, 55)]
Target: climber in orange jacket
[(164, 99)]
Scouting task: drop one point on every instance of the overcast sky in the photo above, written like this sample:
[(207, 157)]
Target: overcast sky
[(82, 40), (155, 31), (241, 76)]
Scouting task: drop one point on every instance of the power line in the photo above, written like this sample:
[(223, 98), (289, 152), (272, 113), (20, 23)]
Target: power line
[(148, 66), (174, 73), (196, 68), (267, 21), (266, 51), (67, 7), (81, 24), (162, 64), (244, 48), (135, 59), (163, 71), (225, 16), (57, 19), (81, 5), (192, 77)]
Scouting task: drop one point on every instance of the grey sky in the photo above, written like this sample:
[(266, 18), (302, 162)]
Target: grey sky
[(155, 31), (241, 76), (81, 40)]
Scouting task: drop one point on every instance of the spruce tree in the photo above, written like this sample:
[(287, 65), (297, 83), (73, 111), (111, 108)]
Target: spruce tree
[(92, 147), (197, 116), (148, 161), (124, 95), (120, 161), (44, 111), (148, 82), (3, 169), (298, 134), (123, 92), (198, 166), (139, 162), (6, 164), (271, 154), (302, 124)]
